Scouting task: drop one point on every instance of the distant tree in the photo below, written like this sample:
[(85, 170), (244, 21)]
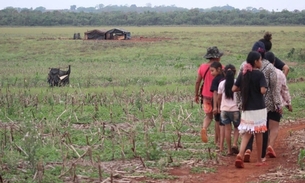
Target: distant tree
[(100, 6), (40, 8), (73, 7)]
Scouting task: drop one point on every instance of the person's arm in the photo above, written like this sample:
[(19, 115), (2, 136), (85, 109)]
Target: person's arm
[(263, 81), (215, 102), (279, 64), (219, 97), (219, 92), (197, 85), (263, 90), (275, 94), (235, 88), (237, 84), (285, 69), (285, 94)]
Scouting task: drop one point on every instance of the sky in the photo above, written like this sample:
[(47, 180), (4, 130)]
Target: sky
[(276, 5)]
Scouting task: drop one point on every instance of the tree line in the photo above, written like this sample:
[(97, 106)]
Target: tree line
[(172, 16)]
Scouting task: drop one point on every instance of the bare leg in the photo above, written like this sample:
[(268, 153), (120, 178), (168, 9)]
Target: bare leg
[(235, 137), (217, 133), (207, 120), (206, 123), (221, 136), (228, 129), (244, 141), (259, 146), (274, 130)]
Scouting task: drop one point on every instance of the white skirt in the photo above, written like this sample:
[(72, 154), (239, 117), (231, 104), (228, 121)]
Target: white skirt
[(253, 121)]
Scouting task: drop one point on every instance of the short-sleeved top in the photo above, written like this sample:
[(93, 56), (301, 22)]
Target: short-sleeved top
[(278, 63), (216, 81), (207, 78), (256, 99), (226, 103)]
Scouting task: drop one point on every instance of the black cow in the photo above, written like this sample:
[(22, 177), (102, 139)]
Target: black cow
[(57, 77)]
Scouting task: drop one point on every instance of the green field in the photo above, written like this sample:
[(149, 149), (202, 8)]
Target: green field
[(127, 101)]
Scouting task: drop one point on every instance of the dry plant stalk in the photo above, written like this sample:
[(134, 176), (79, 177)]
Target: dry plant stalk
[(4, 136), (210, 155), (74, 173), (89, 153), (100, 169), (11, 134), (73, 164), (39, 172)]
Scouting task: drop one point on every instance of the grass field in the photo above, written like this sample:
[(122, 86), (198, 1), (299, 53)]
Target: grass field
[(128, 107)]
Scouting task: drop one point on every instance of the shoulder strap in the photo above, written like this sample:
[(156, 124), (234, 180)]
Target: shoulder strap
[(265, 67), (206, 73)]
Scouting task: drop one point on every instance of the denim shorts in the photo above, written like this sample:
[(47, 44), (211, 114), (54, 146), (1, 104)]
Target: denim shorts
[(227, 117)]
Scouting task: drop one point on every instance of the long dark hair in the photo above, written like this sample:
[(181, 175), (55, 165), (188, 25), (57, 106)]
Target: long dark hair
[(270, 57), (216, 65), (245, 89), (230, 73)]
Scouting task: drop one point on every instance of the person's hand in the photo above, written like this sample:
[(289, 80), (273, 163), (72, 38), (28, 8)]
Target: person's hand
[(215, 110), (289, 107), (279, 110), (197, 99)]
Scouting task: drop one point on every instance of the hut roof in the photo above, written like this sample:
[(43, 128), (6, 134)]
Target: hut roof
[(119, 29), (102, 31)]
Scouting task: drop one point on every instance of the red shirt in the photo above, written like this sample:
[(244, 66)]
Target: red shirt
[(204, 70)]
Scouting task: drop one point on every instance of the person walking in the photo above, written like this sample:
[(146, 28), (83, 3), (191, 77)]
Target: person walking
[(217, 72), (279, 64), (203, 75), (273, 125), (229, 111), (252, 84), (272, 98)]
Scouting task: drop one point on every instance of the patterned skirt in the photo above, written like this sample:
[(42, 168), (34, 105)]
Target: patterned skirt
[(253, 121)]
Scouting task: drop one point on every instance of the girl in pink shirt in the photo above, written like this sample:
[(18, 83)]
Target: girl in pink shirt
[(229, 111)]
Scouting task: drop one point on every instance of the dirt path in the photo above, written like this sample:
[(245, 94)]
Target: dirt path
[(228, 173)]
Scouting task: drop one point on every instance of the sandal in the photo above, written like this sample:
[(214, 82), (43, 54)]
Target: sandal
[(270, 152), (247, 155), (239, 163), (204, 136), (235, 150)]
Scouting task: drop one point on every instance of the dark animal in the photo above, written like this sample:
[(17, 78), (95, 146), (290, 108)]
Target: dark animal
[(57, 77)]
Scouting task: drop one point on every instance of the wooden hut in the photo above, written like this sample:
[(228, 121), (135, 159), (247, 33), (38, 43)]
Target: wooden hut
[(95, 34), (118, 34)]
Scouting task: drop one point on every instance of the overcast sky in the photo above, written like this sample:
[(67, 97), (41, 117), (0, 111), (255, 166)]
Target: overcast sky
[(276, 5)]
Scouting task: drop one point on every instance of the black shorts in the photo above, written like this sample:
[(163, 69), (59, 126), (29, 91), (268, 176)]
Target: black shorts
[(273, 115), (217, 118)]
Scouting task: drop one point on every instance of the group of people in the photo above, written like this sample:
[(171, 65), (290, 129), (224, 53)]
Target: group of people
[(253, 102)]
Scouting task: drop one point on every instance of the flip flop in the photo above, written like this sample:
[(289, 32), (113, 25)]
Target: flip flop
[(270, 152), (204, 136), (239, 163)]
